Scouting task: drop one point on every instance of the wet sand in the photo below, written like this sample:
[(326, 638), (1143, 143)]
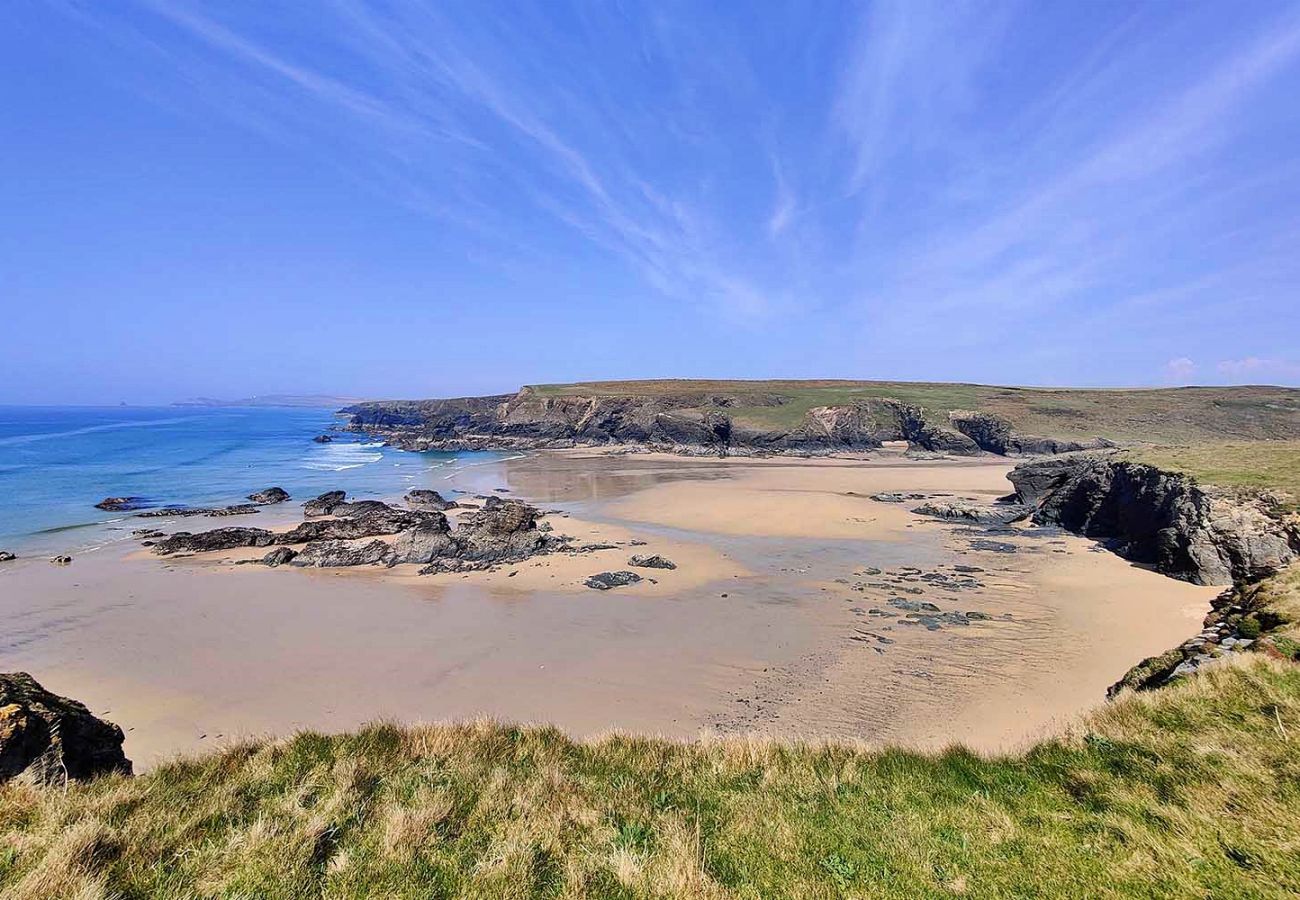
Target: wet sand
[(764, 626)]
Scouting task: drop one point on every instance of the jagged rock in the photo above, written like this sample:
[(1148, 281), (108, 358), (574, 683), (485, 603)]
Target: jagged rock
[(367, 518), (606, 580), (651, 562), (270, 495), (6, 556), (896, 497), (48, 739), (329, 554), (122, 504), (1160, 518), (217, 539), (323, 438), (424, 543), (967, 569), (996, 435), (279, 556), (244, 509), (423, 498), (324, 504), (1002, 514)]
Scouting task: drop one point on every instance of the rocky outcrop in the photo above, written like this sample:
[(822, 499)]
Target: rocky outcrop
[(216, 539), (607, 580), (324, 504), (996, 435), (6, 556), (1159, 518), (323, 438), (996, 514), (423, 498), (323, 554), (270, 495), (48, 739), (175, 512)]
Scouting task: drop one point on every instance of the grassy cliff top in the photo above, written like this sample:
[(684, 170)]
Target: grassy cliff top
[(1243, 465), (1163, 415), (1189, 791)]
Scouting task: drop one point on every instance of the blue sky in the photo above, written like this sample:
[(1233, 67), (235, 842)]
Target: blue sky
[(419, 199)]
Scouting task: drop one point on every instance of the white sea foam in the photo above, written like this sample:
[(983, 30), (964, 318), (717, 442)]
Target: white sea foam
[(341, 457)]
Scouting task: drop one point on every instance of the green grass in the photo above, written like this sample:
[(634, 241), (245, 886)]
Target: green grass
[(1250, 466), (1191, 791), (1172, 415)]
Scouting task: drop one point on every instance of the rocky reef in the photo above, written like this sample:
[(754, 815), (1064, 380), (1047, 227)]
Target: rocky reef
[(688, 422), (499, 531), (1159, 518), (48, 739)]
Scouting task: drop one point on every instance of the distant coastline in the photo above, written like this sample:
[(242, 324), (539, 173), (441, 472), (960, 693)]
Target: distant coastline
[(284, 401)]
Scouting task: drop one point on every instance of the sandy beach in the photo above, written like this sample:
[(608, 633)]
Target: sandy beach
[(766, 624)]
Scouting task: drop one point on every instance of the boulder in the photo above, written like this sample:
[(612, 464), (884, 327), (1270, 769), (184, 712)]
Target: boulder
[(323, 438), (651, 562), (270, 495), (324, 504), (61, 560), (423, 498), (217, 539), (365, 518), (329, 554), (606, 580), (6, 556), (122, 504), (48, 739), (279, 556)]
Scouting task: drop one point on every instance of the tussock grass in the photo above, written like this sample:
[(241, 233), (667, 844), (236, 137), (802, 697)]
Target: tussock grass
[(1190, 791)]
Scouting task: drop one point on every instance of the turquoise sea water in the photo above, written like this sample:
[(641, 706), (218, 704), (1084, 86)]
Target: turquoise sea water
[(56, 463)]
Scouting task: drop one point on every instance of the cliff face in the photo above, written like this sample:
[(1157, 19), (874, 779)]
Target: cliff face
[(687, 422), (1158, 518)]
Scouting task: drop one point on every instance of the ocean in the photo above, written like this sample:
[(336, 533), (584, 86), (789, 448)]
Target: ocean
[(56, 463)]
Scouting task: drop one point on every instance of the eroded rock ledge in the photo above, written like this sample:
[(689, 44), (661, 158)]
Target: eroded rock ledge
[(691, 423), (1163, 519)]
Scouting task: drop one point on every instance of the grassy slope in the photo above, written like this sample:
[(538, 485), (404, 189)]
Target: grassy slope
[(1249, 466), (1192, 791), (1144, 415)]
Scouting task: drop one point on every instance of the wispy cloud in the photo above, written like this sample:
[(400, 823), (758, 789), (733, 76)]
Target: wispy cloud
[(1254, 368)]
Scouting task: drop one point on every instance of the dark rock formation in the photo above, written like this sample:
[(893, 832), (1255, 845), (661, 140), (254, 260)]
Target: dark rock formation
[(270, 495), (122, 504), (61, 560), (606, 580), (1159, 518), (6, 556), (999, 514), (279, 556), (996, 435), (49, 739), (217, 539), (651, 562), (423, 498), (323, 438), (173, 512), (364, 518), (926, 435), (324, 504), (341, 553)]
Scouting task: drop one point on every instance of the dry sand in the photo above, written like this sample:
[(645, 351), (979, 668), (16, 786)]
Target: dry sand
[(764, 625)]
